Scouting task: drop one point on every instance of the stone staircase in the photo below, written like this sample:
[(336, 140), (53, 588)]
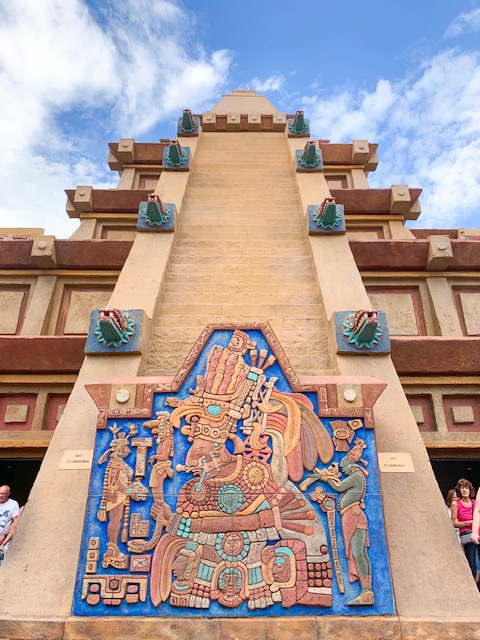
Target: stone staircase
[(241, 254)]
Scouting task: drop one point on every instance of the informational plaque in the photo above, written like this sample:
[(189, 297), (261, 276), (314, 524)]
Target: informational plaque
[(395, 463), (76, 459)]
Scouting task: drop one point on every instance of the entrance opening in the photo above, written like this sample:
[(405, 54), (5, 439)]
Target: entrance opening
[(19, 474), (448, 471)]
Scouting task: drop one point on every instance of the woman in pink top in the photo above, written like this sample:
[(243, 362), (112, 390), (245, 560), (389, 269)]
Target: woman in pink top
[(462, 518)]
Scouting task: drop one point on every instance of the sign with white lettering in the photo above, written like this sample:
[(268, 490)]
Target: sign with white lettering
[(395, 463), (76, 459)]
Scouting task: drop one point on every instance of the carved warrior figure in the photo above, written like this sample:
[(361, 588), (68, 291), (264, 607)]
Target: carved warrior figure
[(354, 522), (242, 496), (118, 489), (161, 470)]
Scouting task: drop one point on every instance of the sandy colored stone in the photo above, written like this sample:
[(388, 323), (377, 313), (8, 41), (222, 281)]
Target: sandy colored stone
[(361, 235), (11, 304), (137, 628), (362, 628), (400, 312), (24, 629), (444, 311), (39, 309), (16, 413), (471, 312), (441, 629), (462, 414), (417, 411), (265, 628), (81, 305)]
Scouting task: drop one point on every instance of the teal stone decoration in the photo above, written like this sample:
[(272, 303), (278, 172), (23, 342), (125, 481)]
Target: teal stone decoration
[(298, 126), (364, 331), (114, 331), (310, 159), (176, 157), (188, 125), (230, 498), (114, 328), (327, 218), (155, 215)]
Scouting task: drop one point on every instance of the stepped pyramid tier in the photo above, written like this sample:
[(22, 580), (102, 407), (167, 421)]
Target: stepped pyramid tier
[(239, 372)]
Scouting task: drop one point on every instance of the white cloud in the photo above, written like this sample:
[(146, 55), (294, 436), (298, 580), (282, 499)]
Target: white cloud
[(464, 23), (67, 73), (275, 82), (428, 130)]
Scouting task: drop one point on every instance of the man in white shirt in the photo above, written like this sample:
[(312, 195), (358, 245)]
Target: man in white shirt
[(9, 512)]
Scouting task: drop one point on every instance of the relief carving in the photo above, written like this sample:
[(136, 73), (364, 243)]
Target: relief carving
[(235, 465)]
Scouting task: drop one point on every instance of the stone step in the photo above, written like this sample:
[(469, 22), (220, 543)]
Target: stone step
[(237, 255), (195, 247), (231, 203), (283, 286), (193, 232), (218, 279), (234, 308), (244, 265), (241, 255), (235, 185), (254, 297), (229, 180)]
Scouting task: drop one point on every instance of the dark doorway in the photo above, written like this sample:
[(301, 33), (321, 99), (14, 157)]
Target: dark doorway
[(19, 474), (447, 472)]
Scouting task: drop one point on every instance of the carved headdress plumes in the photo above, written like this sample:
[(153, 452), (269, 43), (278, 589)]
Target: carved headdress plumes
[(225, 394)]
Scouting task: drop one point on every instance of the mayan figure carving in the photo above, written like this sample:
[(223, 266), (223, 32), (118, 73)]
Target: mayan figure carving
[(218, 502)]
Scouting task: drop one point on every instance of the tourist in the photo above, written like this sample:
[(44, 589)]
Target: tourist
[(451, 496), (462, 518), (9, 512)]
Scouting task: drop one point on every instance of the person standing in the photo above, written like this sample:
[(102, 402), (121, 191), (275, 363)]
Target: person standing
[(9, 512), (462, 517), (451, 496)]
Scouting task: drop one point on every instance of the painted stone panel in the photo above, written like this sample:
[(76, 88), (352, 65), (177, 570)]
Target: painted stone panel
[(470, 304), (76, 308), (402, 308), (13, 302), (233, 490)]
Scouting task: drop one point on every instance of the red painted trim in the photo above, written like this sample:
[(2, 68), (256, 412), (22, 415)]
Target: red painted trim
[(435, 356), (24, 399), (143, 152), (472, 401), (41, 354), (71, 254), (425, 402), (411, 255), (55, 400), (368, 201), (114, 200)]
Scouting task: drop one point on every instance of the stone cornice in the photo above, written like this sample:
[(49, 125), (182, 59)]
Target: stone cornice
[(405, 255), (70, 254), (41, 354)]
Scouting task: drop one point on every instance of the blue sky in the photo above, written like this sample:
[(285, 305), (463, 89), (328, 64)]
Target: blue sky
[(77, 74)]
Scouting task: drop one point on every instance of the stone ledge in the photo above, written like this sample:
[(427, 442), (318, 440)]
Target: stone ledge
[(288, 628), (45, 354), (29, 629)]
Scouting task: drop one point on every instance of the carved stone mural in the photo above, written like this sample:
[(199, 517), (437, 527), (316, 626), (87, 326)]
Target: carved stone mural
[(235, 489)]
